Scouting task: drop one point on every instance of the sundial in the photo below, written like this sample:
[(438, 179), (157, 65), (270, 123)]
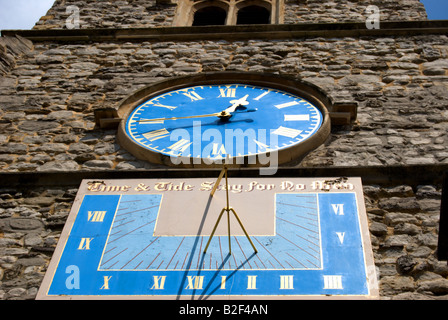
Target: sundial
[(146, 239)]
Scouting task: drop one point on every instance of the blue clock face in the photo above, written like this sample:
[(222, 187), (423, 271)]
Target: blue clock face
[(220, 121)]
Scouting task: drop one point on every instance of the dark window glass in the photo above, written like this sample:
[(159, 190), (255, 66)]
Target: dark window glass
[(253, 15), (210, 16)]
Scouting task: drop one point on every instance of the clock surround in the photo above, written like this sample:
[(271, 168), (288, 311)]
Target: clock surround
[(293, 154)]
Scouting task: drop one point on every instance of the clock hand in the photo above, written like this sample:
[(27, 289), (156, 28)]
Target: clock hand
[(227, 113), (222, 115), (236, 103), (216, 114)]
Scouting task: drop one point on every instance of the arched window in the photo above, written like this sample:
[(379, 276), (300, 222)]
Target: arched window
[(253, 15), (210, 16), (228, 12)]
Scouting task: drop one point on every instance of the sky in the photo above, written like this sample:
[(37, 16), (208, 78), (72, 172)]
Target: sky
[(23, 14)]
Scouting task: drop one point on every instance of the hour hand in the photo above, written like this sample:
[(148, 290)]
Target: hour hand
[(227, 113), (237, 103), (225, 116)]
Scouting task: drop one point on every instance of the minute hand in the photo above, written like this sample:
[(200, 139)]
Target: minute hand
[(187, 117)]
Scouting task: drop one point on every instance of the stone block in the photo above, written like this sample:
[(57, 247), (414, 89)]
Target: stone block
[(59, 166)]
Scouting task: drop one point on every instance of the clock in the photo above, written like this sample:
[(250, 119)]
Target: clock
[(203, 122), (145, 239)]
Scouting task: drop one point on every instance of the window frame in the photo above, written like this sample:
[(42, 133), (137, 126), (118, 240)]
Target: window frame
[(186, 10), (262, 4), (208, 4)]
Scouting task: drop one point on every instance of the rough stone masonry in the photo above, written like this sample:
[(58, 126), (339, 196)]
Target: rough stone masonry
[(399, 83), (50, 87)]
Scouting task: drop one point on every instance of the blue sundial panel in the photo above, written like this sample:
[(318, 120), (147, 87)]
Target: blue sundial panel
[(113, 250)]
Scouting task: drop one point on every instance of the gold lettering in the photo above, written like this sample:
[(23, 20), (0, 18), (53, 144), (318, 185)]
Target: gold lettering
[(195, 282), (100, 186), (106, 283), (159, 282), (336, 184), (223, 282), (288, 185), (169, 186), (95, 186), (207, 186), (286, 282), (142, 187), (254, 185), (251, 282), (96, 216), (84, 244), (161, 186)]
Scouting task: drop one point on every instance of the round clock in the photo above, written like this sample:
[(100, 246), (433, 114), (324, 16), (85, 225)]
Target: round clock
[(241, 121)]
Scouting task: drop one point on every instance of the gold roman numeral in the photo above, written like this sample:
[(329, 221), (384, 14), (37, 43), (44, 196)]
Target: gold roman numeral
[(286, 282), (106, 283), (84, 244), (96, 216), (180, 145), (164, 106), (287, 132), (159, 283), (251, 282), (192, 95), (156, 134), (218, 149), (195, 282), (286, 104), (227, 93)]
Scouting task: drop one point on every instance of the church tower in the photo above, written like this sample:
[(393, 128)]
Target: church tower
[(372, 76)]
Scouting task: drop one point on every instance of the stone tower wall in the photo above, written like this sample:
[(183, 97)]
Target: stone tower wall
[(399, 83), (51, 88), (152, 13)]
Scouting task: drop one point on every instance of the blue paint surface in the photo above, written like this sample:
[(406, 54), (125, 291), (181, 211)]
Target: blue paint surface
[(316, 250), (274, 118)]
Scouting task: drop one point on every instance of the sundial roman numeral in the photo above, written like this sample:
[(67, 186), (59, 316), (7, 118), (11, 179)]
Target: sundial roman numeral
[(333, 282), (96, 216), (338, 209), (106, 280), (286, 282), (251, 282), (195, 282), (84, 244), (341, 236), (159, 283)]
